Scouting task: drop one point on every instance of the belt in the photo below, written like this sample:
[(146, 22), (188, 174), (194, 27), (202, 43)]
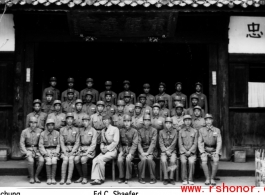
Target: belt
[(85, 145), (69, 144), (50, 146), (31, 145), (130, 144), (99, 129), (210, 146)]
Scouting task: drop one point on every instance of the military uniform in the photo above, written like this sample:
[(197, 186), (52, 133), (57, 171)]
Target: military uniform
[(97, 123), (178, 123), (41, 116), (203, 103), (56, 93), (150, 99), (129, 109), (164, 112), (190, 112), (133, 96), (47, 107), (113, 95), (64, 95), (157, 122), (68, 106), (184, 99), (59, 119), (110, 109), (118, 120), (93, 91), (198, 122), (137, 121), (78, 116), (89, 108)]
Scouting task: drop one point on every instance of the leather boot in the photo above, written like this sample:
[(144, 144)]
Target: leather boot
[(54, 168), (79, 170), (31, 172), (70, 173), (206, 173), (48, 172), (84, 170), (39, 168), (64, 167)]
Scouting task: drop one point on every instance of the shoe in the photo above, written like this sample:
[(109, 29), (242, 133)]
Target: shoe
[(126, 181), (142, 181), (49, 181), (165, 182), (95, 182), (79, 180), (213, 183), (207, 182), (54, 182), (191, 182), (84, 181), (68, 182), (37, 180), (172, 181), (62, 182), (184, 182), (153, 181), (121, 180), (31, 180)]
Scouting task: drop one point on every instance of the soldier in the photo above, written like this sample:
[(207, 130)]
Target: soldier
[(70, 86), (157, 121), (69, 104), (210, 145), (110, 108), (150, 99), (50, 147), (29, 147), (164, 112), (57, 115), (202, 98), (87, 149), (178, 118), (89, 108), (197, 121), (162, 93), (109, 148), (56, 92), (129, 107), (89, 83), (41, 116), (146, 109), (147, 150), (47, 106), (102, 95), (194, 102), (127, 148), (118, 117), (167, 140), (127, 89), (137, 119), (188, 140), (78, 114), (69, 141), (177, 100), (184, 100)]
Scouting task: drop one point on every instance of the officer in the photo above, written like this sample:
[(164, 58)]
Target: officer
[(147, 150), (137, 119), (197, 121), (194, 102), (177, 120), (56, 92), (129, 107), (164, 112), (167, 141), (110, 108), (87, 149), (188, 141), (69, 141), (50, 147), (146, 109), (157, 121), (89, 83), (102, 95), (162, 93), (69, 104), (29, 148), (118, 117), (110, 137), (78, 114), (57, 115), (177, 100), (46, 106), (127, 147), (70, 82), (127, 89), (210, 145), (202, 98), (89, 108), (150, 99), (37, 113), (184, 100)]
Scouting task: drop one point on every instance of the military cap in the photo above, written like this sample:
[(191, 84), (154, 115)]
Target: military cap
[(208, 116), (198, 83), (50, 120), (78, 101), (168, 119), (49, 92), (70, 91), (178, 83), (147, 117), (146, 85), (126, 82), (160, 99), (89, 80), (70, 80), (108, 83), (177, 98), (69, 114), (37, 101), (127, 94), (194, 96), (100, 103), (106, 116), (138, 104), (108, 93), (197, 107), (53, 79), (186, 117), (127, 117), (33, 119), (57, 102), (179, 105), (86, 117), (162, 84), (121, 103), (156, 105), (89, 93), (142, 96)]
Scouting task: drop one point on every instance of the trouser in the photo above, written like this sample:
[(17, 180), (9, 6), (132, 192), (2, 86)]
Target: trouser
[(70, 162), (215, 159), (191, 163), (128, 166), (146, 162), (168, 167), (82, 169), (40, 162), (98, 166)]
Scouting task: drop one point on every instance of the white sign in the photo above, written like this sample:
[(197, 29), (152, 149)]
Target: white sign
[(246, 34), (28, 75), (214, 78), (7, 33)]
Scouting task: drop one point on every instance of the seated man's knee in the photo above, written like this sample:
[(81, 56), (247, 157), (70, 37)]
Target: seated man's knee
[(163, 159), (65, 159), (54, 160), (84, 159), (48, 161), (77, 159), (149, 159)]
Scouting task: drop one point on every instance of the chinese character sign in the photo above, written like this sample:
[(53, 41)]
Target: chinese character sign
[(246, 34)]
